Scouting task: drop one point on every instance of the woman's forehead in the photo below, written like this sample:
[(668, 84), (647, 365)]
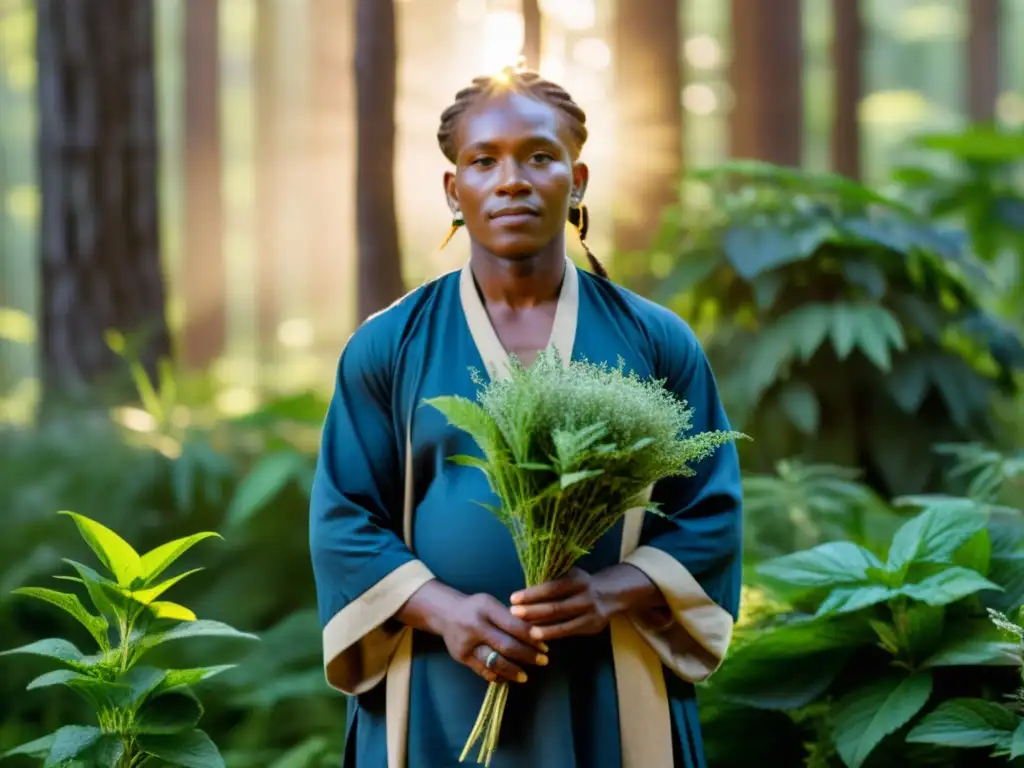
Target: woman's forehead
[(511, 117)]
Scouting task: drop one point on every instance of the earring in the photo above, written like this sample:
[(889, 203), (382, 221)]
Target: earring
[(579, 217), (457, 221)]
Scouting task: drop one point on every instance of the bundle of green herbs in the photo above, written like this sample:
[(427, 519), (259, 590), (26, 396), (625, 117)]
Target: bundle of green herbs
[(568, 450)]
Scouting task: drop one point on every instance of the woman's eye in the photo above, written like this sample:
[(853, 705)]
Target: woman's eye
[(543, 157), (483, 161)]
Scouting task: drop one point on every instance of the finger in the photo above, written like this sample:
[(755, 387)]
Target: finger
[(500, 617), (553, 612), (578, 626), (512, 649), (550, 590), (501, 668)]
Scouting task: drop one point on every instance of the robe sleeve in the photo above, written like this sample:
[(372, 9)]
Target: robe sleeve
[(695, 554), (363, 570)]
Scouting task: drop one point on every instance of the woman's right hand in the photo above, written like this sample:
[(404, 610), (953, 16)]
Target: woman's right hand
[(480, 624), (473, 626)]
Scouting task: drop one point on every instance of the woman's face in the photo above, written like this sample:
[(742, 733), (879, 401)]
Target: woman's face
[(514, 175)]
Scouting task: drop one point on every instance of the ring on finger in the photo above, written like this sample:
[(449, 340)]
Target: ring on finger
[(492, 660)]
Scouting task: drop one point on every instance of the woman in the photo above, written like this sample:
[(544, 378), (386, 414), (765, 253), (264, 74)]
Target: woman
[(420, 590)]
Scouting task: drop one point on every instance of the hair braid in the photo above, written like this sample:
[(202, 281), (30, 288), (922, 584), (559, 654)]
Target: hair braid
[(530, 84)]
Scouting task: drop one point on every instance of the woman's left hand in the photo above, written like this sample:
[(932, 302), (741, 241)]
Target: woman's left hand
[(572, 605)]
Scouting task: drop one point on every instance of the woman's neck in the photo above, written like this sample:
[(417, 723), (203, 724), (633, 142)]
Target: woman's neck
[(520, 282)]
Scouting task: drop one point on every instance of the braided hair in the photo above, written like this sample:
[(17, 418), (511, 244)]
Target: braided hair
[(530, 84)]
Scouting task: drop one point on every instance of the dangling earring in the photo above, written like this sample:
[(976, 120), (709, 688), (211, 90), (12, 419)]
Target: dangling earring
[(579, 217), (457, 221)]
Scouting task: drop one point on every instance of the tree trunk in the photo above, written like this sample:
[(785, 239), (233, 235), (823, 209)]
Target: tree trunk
[(268, 182), (376, 67), (767, 79), (203, 270), (532, 30), (330, 187), (97, 152), (982, 60), (847, 48), (648, 89)]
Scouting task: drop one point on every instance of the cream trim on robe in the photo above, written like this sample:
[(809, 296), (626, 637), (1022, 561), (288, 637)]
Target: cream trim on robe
[(692, 645)]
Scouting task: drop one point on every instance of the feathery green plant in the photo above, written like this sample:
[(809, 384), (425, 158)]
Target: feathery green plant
[(143, 713), (568, 450)]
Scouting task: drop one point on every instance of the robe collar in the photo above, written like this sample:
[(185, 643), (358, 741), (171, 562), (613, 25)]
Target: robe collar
[(494, 355)]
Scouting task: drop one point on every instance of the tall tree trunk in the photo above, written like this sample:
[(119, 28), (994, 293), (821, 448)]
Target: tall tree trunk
[(268, 181), (203, 269), (532, 31), (648, 89), (767, 80), (847, 48), (376, 66), (99, 235), (330, 187), (982, 60)]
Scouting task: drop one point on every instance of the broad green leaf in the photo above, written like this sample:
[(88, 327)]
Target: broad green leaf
[(851, 599), (37, 748), (107, 598), (1017, 742), (54, 677), (139, 682), (190, 677), (115, 553), (157, 560), (171, 712), (149, 594), (800, 404), (105, 753), (55, 648), (69, 742), (933, 536), (966, 724), (831, 564), (187, 750), (870, 713), (200, 628), (102, 694), (947, 586), (920, 628), (267, 479), (753, 250), (96, 625), (974, 643), (162, 609)]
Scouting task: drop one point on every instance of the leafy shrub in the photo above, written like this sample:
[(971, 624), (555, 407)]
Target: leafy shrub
[(845, 327), (870, 645), (142, 711)]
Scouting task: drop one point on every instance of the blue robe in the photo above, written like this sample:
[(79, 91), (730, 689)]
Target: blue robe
[(389, 512)]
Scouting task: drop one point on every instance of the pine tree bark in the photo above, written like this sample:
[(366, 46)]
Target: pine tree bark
[(376, 66), (97, 153), (648, 88), (847, 58)]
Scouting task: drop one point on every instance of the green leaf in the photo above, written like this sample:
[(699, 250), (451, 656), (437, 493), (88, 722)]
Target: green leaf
[(187, 750), (69, 742), (974, 643), (96, 625), (828, 565), (190, 677), (200, 628), (478, 463), (947, 586), (138, 683), (55, 648), (115, 553), (1017, 742), (966, 724), (101, 694), (37, 748), (149, 594), (157, 560), (107, 598), (267, 479), (578, 477), (851, 599), (162, 609), (800, 404), (170, 712), (933, 536), (54, 677), (870, 713)]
